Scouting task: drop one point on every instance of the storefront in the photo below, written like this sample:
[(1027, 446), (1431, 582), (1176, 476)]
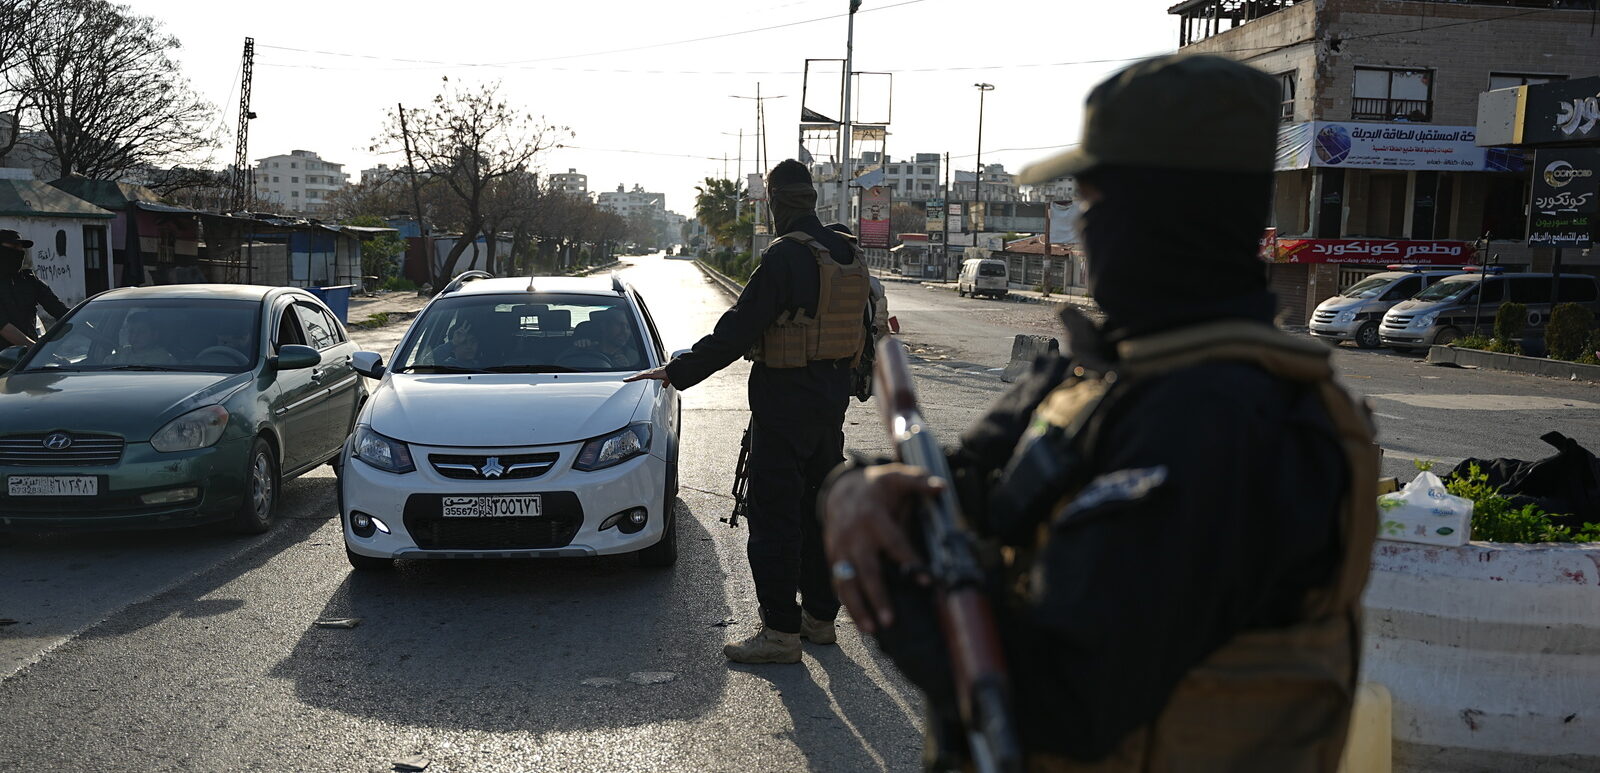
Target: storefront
[(1353, 197)]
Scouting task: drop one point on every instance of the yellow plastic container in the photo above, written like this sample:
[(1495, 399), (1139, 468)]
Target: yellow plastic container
[(1370, 746)]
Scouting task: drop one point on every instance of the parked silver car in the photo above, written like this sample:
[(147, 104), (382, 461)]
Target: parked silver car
[(1356, 313)]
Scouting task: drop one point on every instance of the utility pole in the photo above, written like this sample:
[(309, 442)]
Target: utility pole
[(945, 192), (844, 118), (760, 138), (983, 88), (416, 198), (244, 182)]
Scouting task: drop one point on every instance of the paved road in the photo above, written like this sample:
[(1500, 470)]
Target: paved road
[(197, 652), (1423, 411)]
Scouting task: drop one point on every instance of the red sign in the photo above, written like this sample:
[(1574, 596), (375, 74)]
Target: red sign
[(1369, 251)]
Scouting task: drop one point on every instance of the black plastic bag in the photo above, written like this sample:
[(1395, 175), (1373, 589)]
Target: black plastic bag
[(1566, 485)]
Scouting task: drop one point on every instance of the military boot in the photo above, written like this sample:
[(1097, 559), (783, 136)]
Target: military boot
[(817, 631), (765, 646)]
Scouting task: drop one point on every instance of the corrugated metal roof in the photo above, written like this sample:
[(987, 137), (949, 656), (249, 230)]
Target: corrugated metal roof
[(108, 194), (31, 198)]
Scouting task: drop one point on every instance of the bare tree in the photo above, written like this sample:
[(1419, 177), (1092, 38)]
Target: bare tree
[(14, 18), (468, 139), (105, 91)]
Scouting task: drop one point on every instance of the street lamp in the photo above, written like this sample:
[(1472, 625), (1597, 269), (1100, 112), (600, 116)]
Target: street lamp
[(983, 88)]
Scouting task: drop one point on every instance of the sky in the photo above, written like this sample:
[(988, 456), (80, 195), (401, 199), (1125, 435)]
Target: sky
[(645, 107)]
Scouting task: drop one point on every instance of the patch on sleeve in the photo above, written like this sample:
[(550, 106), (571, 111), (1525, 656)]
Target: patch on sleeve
[(1120, 486)]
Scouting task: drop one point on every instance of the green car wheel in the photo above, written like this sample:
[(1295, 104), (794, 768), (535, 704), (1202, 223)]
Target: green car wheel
[(260, 503)]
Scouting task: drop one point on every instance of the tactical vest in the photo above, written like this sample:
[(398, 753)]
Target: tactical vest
[(1277, 700), (836, 332)]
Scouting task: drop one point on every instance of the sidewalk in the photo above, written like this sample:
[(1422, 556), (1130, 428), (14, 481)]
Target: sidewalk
[(390, 306)]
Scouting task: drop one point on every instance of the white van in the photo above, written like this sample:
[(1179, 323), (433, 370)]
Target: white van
[(1451, 308), (1354, 315), (984, 276)]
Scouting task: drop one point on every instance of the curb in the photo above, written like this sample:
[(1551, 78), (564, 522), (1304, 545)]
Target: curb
[(720, 279), (1514, 363)]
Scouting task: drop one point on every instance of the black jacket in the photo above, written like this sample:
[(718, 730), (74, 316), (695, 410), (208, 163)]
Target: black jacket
[(20, 295), (785, 280), (1135, 586)]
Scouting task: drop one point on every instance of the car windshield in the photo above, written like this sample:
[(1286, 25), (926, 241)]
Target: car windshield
[(991, 269), (156, 334), (534, 333), (1368, 288), (1447, 289)]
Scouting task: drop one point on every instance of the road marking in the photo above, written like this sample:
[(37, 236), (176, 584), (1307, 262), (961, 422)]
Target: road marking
[(1388, 416), (1490, 402)]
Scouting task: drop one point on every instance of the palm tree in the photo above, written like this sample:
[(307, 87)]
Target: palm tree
[(715, 206)]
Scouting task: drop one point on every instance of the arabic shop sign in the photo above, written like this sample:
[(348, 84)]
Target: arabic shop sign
[(935, 209), (1379, 251), (1390, 146), (1565, 199), (1563, 111)]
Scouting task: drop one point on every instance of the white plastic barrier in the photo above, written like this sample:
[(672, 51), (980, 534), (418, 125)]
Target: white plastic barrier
[(1492, 655)]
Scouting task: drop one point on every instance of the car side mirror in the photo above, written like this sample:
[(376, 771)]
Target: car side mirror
[(295, 357), (10, 356), (679, 353), (369, 364)]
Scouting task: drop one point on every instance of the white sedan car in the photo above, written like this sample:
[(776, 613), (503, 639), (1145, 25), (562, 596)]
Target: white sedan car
[(503, 429)]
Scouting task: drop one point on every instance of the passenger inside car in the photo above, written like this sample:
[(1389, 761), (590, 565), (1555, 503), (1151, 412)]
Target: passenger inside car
[(460, 348), (144, 346)]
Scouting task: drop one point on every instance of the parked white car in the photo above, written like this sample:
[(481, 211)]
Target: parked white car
[(503, 429)]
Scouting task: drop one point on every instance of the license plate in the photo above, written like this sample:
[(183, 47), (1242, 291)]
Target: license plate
[(493, 507), (53, 486)]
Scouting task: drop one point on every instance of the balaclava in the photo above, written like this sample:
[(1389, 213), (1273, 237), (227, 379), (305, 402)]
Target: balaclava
[(11, 260), (1168, 247), (791, 195)]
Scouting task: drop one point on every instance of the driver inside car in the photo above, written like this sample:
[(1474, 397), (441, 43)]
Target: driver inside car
[(609, 333), (461, 347), (144, 346)]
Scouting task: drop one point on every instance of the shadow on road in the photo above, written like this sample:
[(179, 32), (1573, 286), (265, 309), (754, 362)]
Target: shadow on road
[(305, 504), (531, 646), (847, 725)]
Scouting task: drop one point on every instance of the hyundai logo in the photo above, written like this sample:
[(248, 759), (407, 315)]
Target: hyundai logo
[(492, 468), (58, 441)]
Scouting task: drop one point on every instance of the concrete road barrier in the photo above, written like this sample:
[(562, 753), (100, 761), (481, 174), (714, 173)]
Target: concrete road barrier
[(1024, 350), (1491, 653)]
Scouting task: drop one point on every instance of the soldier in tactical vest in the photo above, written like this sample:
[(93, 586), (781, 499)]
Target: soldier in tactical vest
[(1181, 505), (800, 319)]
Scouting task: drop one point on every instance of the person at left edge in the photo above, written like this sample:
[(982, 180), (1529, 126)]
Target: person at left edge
[(800, 385), (22, 293)]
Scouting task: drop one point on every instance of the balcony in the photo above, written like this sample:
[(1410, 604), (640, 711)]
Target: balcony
[(1369, 109)]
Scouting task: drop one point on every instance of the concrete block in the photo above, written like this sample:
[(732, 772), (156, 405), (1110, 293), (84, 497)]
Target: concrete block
[(1024, 350)]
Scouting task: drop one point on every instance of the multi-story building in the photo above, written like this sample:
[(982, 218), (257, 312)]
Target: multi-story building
[(1059, 189), (382, 174), (635, 202), (571, 182), (299, 183), (998, 185), (1378, 161), (921, 177)]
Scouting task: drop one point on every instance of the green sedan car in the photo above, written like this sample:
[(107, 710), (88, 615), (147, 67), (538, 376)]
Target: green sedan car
[(156, 407)]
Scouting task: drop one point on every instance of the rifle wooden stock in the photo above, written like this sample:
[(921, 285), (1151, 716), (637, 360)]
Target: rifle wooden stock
[(977, 658)]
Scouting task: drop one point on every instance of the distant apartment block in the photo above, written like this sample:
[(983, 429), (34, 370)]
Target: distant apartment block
[(300, 182)]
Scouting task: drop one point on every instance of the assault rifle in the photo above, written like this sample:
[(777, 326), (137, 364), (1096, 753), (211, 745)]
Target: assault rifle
[(976, 658), (741, 482)]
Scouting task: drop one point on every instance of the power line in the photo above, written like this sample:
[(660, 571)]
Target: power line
[(650, 46)]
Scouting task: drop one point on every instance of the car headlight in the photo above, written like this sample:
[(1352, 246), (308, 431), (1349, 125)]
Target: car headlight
[(1348, 315), (613, 449), (1426, 320), (199, 428), (384, 453)]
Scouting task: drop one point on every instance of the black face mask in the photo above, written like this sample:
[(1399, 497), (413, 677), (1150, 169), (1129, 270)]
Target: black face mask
[(1168, 247), (11, 260)]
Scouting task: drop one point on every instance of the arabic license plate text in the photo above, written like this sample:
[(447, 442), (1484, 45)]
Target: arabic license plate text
[(493, 507), (53, 486)]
